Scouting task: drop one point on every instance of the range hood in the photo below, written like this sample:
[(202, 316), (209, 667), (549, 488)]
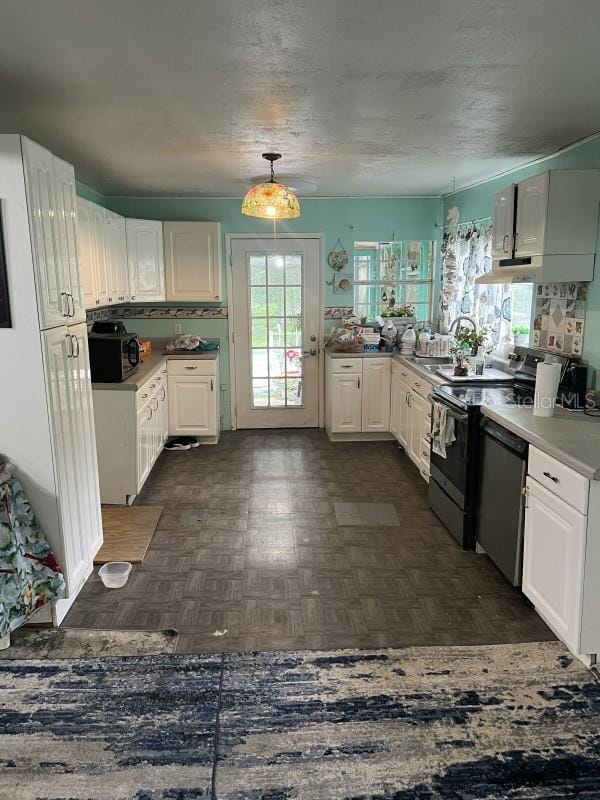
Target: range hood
[(538, 269)]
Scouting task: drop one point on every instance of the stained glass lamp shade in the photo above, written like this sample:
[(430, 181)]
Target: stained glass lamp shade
[(271, 200)]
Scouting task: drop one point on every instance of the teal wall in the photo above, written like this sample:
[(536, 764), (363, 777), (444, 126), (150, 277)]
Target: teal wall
[(85, 191), (350, 219), (478, 202)]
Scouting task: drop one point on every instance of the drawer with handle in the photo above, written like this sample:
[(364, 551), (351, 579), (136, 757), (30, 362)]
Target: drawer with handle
[(191, 367), (559, 479), (346, 365), (420, 386)]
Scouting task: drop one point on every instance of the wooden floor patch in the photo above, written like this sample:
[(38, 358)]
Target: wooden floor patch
[(127, 532)]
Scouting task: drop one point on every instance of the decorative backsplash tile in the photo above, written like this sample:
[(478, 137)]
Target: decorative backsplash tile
[(159, 312), (338, 312), (559, 319)]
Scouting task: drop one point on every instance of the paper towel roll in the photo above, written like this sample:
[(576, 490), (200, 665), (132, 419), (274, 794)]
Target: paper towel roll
[(547, 378)]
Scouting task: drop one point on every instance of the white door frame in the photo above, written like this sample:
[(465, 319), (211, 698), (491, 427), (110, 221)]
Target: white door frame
[(320, 237)]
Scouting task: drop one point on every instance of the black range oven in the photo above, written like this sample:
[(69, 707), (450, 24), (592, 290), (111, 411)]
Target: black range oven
[(453, 480)]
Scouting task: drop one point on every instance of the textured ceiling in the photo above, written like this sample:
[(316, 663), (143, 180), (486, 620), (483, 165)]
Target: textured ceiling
[(377, 97)]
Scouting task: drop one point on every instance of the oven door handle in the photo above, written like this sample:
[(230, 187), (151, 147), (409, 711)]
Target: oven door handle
[(457, 417)]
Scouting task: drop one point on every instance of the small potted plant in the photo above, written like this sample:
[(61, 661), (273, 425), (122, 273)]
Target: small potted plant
[(470, 339), (521, 335)]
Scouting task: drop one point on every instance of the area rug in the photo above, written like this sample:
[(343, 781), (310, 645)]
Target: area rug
[(58, 643), (508, 722), (127, 532)]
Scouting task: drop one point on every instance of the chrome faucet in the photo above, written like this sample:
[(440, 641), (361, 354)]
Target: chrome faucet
[(460, 319)]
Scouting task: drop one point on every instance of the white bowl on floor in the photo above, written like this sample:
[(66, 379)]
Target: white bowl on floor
[(115, 574)]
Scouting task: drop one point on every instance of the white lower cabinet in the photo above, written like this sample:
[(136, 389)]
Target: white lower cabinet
[(73, 443), (357, 395), (132, 427), (194, 398), (553, 561), (410, 416)]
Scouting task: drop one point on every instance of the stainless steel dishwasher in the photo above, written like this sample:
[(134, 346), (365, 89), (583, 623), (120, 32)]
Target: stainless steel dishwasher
[(501, 508)]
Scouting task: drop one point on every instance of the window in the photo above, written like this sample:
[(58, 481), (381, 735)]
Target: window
[(521, 301), (276, 330), (388, 275)]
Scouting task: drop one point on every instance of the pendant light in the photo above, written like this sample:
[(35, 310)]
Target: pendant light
[(271, 200)]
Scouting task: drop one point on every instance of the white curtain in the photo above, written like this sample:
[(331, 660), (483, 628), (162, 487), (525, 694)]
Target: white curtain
[(466, 254)]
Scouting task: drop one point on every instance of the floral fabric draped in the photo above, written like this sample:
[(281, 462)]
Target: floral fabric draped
[(466, 255), (29, 574)]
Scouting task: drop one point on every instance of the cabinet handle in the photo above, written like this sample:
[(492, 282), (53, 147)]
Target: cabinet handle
[(516, 241), (192, 367), (62, 300), (144, 396), (153, 386), (164, 394), (425, 453), (553, 478), (525, 493), (417, 385), (75, 346), (505, 243), (404, 374), (70, 340), (156, 406), (346, 366), (358, 384), (133, 297), (149, 417)]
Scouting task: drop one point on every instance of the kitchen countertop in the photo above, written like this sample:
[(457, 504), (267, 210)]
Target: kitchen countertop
[(572, 437), (149, 365)]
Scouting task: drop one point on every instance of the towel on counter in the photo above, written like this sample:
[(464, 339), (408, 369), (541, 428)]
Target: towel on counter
[(442, 429)]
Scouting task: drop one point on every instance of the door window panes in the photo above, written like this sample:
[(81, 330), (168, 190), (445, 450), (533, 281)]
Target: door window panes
[(275, 288)]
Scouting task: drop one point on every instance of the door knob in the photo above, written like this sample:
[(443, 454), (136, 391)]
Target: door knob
[(313, 338), (311, 352)]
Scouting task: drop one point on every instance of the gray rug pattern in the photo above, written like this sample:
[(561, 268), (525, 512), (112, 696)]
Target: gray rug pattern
[(502, 722)]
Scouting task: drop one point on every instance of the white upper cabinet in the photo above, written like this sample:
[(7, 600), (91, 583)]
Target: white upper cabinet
[(52, 278), (115, 248), (66, 218), (193, 260), (100, 256), (86, 253), (146, 263), (504, 211), (530, 228)]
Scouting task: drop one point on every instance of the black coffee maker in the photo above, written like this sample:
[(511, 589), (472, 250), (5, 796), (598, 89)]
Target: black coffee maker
[(573, 385)]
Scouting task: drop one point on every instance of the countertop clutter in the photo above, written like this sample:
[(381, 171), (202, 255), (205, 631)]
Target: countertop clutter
[(570, 436), (151, 362)]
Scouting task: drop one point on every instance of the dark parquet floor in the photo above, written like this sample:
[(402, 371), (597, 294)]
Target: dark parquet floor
[(250, 542)]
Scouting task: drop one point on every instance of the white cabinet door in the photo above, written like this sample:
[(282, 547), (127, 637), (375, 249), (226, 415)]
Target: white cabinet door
[(193, 260), (146, 263), (72, 434), (85, 237), (192, 406), (553, 561), (164, 411), (88, 492), (66, 217), (418, 415), (530, 228), (394, 400), (376, 395), (119, 246), (144, 444), (346, 404), (504, 222), (101, 264), (404, 394), (51, 270), (111, 257)]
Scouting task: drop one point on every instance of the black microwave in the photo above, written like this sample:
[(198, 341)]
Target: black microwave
[(113, 356)]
